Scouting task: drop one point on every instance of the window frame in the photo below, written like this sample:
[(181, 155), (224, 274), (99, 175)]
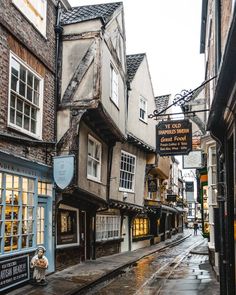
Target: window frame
[(133, 174), (66, 245), (89, 176), (39, 108), (114, 85), (34, 16), (109, 226), (134, 229), (27, 220), (143, 99)]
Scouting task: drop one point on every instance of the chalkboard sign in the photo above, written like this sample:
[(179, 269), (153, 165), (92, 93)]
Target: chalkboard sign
[(14, 271)]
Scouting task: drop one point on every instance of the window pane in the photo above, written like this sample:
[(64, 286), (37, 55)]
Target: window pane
[(12, 116), (19, 105), (30, 79), (22, 89), (18, 119), (14, 83), (29, 93), (23, 74), (26, 123)]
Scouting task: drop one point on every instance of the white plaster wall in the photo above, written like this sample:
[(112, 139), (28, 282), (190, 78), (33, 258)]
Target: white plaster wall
[(142, 86), (117, 112), (135, 197), (82, 27)]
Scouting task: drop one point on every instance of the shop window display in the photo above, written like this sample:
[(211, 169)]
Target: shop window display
[(17, 206)]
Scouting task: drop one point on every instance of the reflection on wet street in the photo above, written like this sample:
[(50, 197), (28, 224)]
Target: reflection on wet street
[(172, 271)]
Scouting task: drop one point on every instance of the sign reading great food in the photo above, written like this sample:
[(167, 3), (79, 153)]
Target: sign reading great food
[(174, 137)]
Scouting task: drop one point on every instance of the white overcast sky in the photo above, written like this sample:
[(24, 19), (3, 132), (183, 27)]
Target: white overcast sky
[(168, 31)]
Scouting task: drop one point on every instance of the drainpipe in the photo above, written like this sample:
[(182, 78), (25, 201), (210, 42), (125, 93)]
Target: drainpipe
[(221, 202), (58, 33), (218, 35)]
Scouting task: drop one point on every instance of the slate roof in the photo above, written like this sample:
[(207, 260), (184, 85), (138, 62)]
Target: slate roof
[(133, 63), (89, 12), (162, 102)]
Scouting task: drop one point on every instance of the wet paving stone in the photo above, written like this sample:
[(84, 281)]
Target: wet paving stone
[(162, 274)]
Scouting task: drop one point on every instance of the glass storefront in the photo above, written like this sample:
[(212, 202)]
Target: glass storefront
[(17, 212)]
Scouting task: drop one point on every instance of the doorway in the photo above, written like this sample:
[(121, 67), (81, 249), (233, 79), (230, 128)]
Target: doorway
[(42, 223)]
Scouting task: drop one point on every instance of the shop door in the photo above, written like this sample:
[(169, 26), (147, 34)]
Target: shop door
[(42, 222), (125, 234)]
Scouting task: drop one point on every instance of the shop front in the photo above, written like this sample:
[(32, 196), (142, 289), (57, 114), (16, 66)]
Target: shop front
[(26, 217)]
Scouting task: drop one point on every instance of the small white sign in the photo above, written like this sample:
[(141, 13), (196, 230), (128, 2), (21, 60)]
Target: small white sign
[(63, 170), (193, 160)]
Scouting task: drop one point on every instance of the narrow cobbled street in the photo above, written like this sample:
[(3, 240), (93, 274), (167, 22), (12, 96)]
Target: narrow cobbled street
[(182, 269)]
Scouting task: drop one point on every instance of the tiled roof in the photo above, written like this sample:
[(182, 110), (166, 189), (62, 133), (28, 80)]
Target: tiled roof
[(133, 63), (162, 102), (89, 12)]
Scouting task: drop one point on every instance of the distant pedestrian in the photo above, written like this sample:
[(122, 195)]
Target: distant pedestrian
[(195, 227)]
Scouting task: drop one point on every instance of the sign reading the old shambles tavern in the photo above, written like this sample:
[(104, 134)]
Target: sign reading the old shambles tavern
[(14, 271), (174, 137)]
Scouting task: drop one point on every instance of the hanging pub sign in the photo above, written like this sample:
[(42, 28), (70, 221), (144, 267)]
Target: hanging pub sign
[(174, 137), (152, 185), (63, 170)]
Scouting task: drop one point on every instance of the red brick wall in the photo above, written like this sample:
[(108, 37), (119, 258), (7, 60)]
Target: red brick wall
[(18, 35)]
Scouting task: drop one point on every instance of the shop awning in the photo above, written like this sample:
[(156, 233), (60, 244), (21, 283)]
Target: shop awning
[(167, 209)]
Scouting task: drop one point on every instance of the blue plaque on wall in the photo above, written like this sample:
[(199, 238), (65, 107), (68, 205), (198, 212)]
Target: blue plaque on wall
[(63, 170)]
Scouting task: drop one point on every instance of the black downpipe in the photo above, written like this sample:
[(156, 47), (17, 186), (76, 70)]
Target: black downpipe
[(221, 202), (58, 33), (218, 35)]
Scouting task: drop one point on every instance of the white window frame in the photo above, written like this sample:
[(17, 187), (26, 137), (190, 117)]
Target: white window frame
[(62, 206), (130, 173), (89, 176), (28, 219), (34, 12), (111, 224), (114, 85), (39, 115), (141, 101)]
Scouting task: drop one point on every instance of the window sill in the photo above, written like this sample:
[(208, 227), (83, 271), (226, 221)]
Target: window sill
[(112, 241), (114, 103), (143, 121), (142, 238), (126, 190), (25, 132), (93, 179)]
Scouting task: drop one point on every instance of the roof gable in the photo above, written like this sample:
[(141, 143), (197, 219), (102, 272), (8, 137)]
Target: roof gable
[(90, 12), (162, 102), (133, 62)]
